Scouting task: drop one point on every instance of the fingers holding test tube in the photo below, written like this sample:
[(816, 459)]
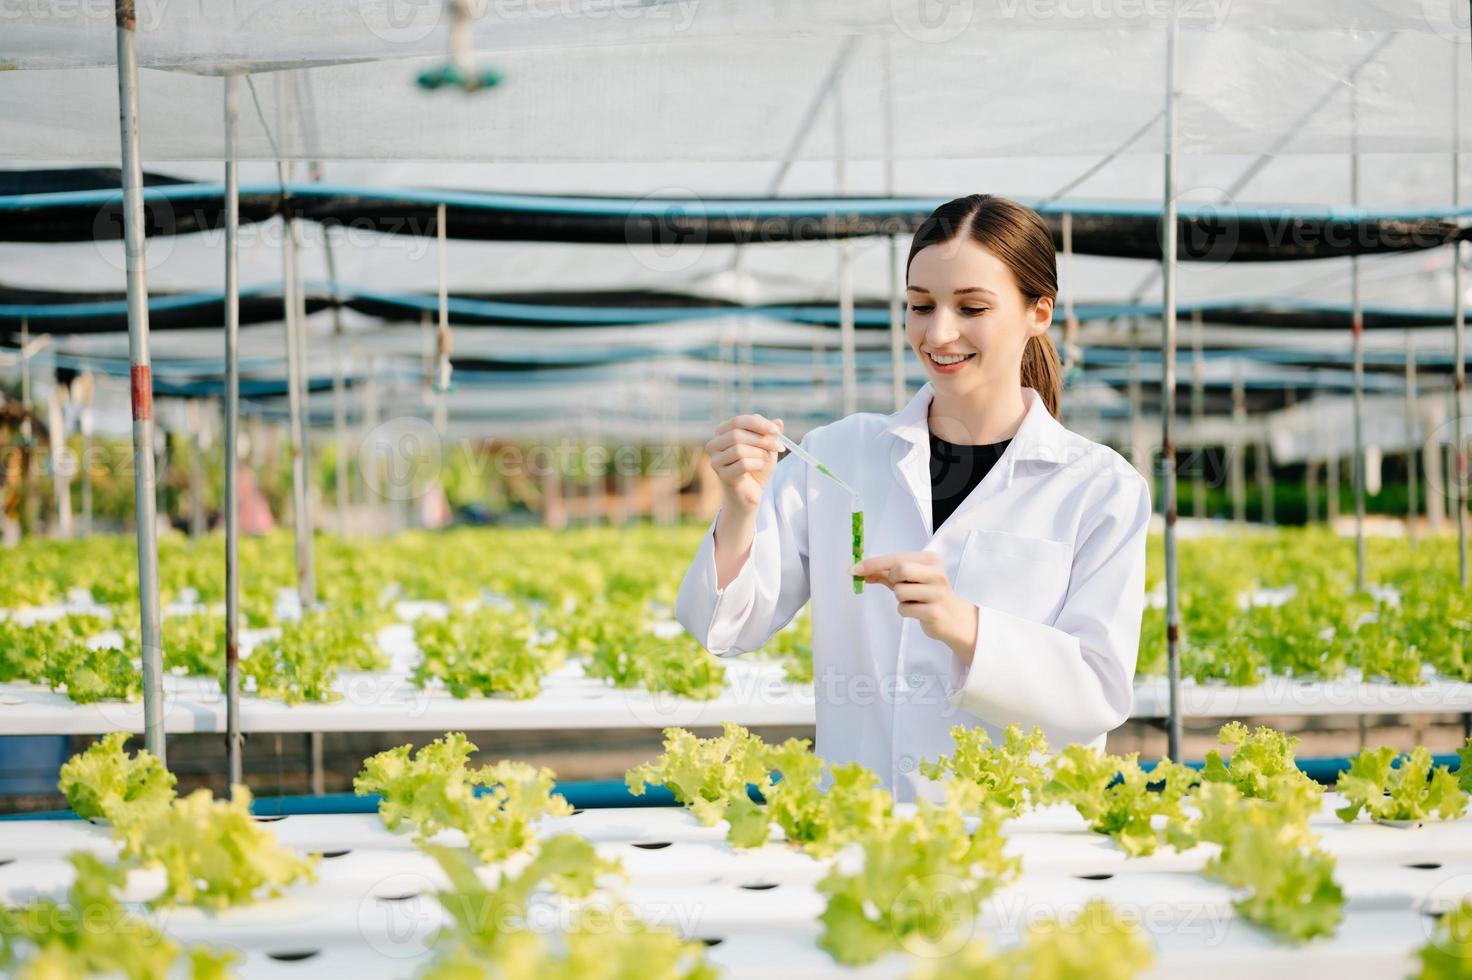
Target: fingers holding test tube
[(919, 582)]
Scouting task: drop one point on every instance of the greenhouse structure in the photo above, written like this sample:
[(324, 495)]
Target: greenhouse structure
[(378, 382)]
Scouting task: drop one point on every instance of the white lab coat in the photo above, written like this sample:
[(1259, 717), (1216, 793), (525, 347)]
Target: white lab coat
[(1050, 547)]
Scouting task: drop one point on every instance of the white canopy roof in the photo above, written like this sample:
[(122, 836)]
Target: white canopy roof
[(619, 80)]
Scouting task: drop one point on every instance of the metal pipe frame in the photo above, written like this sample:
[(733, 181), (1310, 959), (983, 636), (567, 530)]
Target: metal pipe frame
[(141, 377), (234, 743), (1168, 394)]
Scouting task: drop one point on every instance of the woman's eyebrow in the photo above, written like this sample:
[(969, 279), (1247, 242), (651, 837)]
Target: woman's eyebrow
[(959, 292)]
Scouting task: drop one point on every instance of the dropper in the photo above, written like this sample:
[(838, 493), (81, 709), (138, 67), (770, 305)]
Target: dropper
[(858, 512), (812, 461)]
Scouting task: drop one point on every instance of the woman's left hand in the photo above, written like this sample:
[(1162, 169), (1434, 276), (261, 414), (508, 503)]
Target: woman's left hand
[(918, 580)]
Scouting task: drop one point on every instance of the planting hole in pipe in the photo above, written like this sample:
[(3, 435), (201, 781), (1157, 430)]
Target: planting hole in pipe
[(294, 955)]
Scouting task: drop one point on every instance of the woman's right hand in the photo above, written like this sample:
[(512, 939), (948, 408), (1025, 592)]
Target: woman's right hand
[(744, 453)]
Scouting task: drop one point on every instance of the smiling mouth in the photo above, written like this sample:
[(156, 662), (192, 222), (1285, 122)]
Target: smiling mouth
[(950, 360)]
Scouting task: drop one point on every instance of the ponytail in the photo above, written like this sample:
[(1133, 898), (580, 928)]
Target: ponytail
[(1042, 371)]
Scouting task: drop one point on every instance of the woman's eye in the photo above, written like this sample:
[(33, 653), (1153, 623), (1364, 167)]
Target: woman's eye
[(916, 308), (973, 310)]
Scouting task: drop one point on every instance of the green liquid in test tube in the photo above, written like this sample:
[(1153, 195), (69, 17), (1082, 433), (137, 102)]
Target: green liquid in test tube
[(858, 549)]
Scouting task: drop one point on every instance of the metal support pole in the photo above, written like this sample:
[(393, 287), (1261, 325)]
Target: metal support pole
[(1459, 303), (198, 519), (1357, 329), (897, 299), (315, 768), (442, 333), (339, 389), (1198, 414), (1070, 320), (1413, 489), (726, 379), (1136, 399), (1331, 472), (845, 263), (61, 482), (1239, 445), (747, 367), (1311, 488), (27, 434), (234, 744), (897, 302), (1168, 395), (25, 380), (1265, 482), (141, 376), (302, 518), (84, 423), (820, 374)]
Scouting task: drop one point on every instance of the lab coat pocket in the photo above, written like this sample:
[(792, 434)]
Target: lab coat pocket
[(1022, 575)]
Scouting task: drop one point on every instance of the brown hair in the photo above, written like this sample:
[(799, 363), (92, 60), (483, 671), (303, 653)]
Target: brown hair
[(1018, 236)]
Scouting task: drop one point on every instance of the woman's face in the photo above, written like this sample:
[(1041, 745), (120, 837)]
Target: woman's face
[(967, 319)]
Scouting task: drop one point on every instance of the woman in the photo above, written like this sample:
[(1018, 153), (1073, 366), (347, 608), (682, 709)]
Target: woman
[(1011, 550)]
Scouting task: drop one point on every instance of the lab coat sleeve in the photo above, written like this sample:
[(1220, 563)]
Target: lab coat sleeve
[(1074, 678), (770, 587)]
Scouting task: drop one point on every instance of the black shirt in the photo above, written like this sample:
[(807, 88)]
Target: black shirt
[(955, 470)]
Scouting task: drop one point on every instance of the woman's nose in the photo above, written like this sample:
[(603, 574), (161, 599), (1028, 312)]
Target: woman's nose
[(941, 330)]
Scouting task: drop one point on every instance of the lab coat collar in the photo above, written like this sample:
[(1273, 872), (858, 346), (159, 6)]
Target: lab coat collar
[(1039, 437)]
